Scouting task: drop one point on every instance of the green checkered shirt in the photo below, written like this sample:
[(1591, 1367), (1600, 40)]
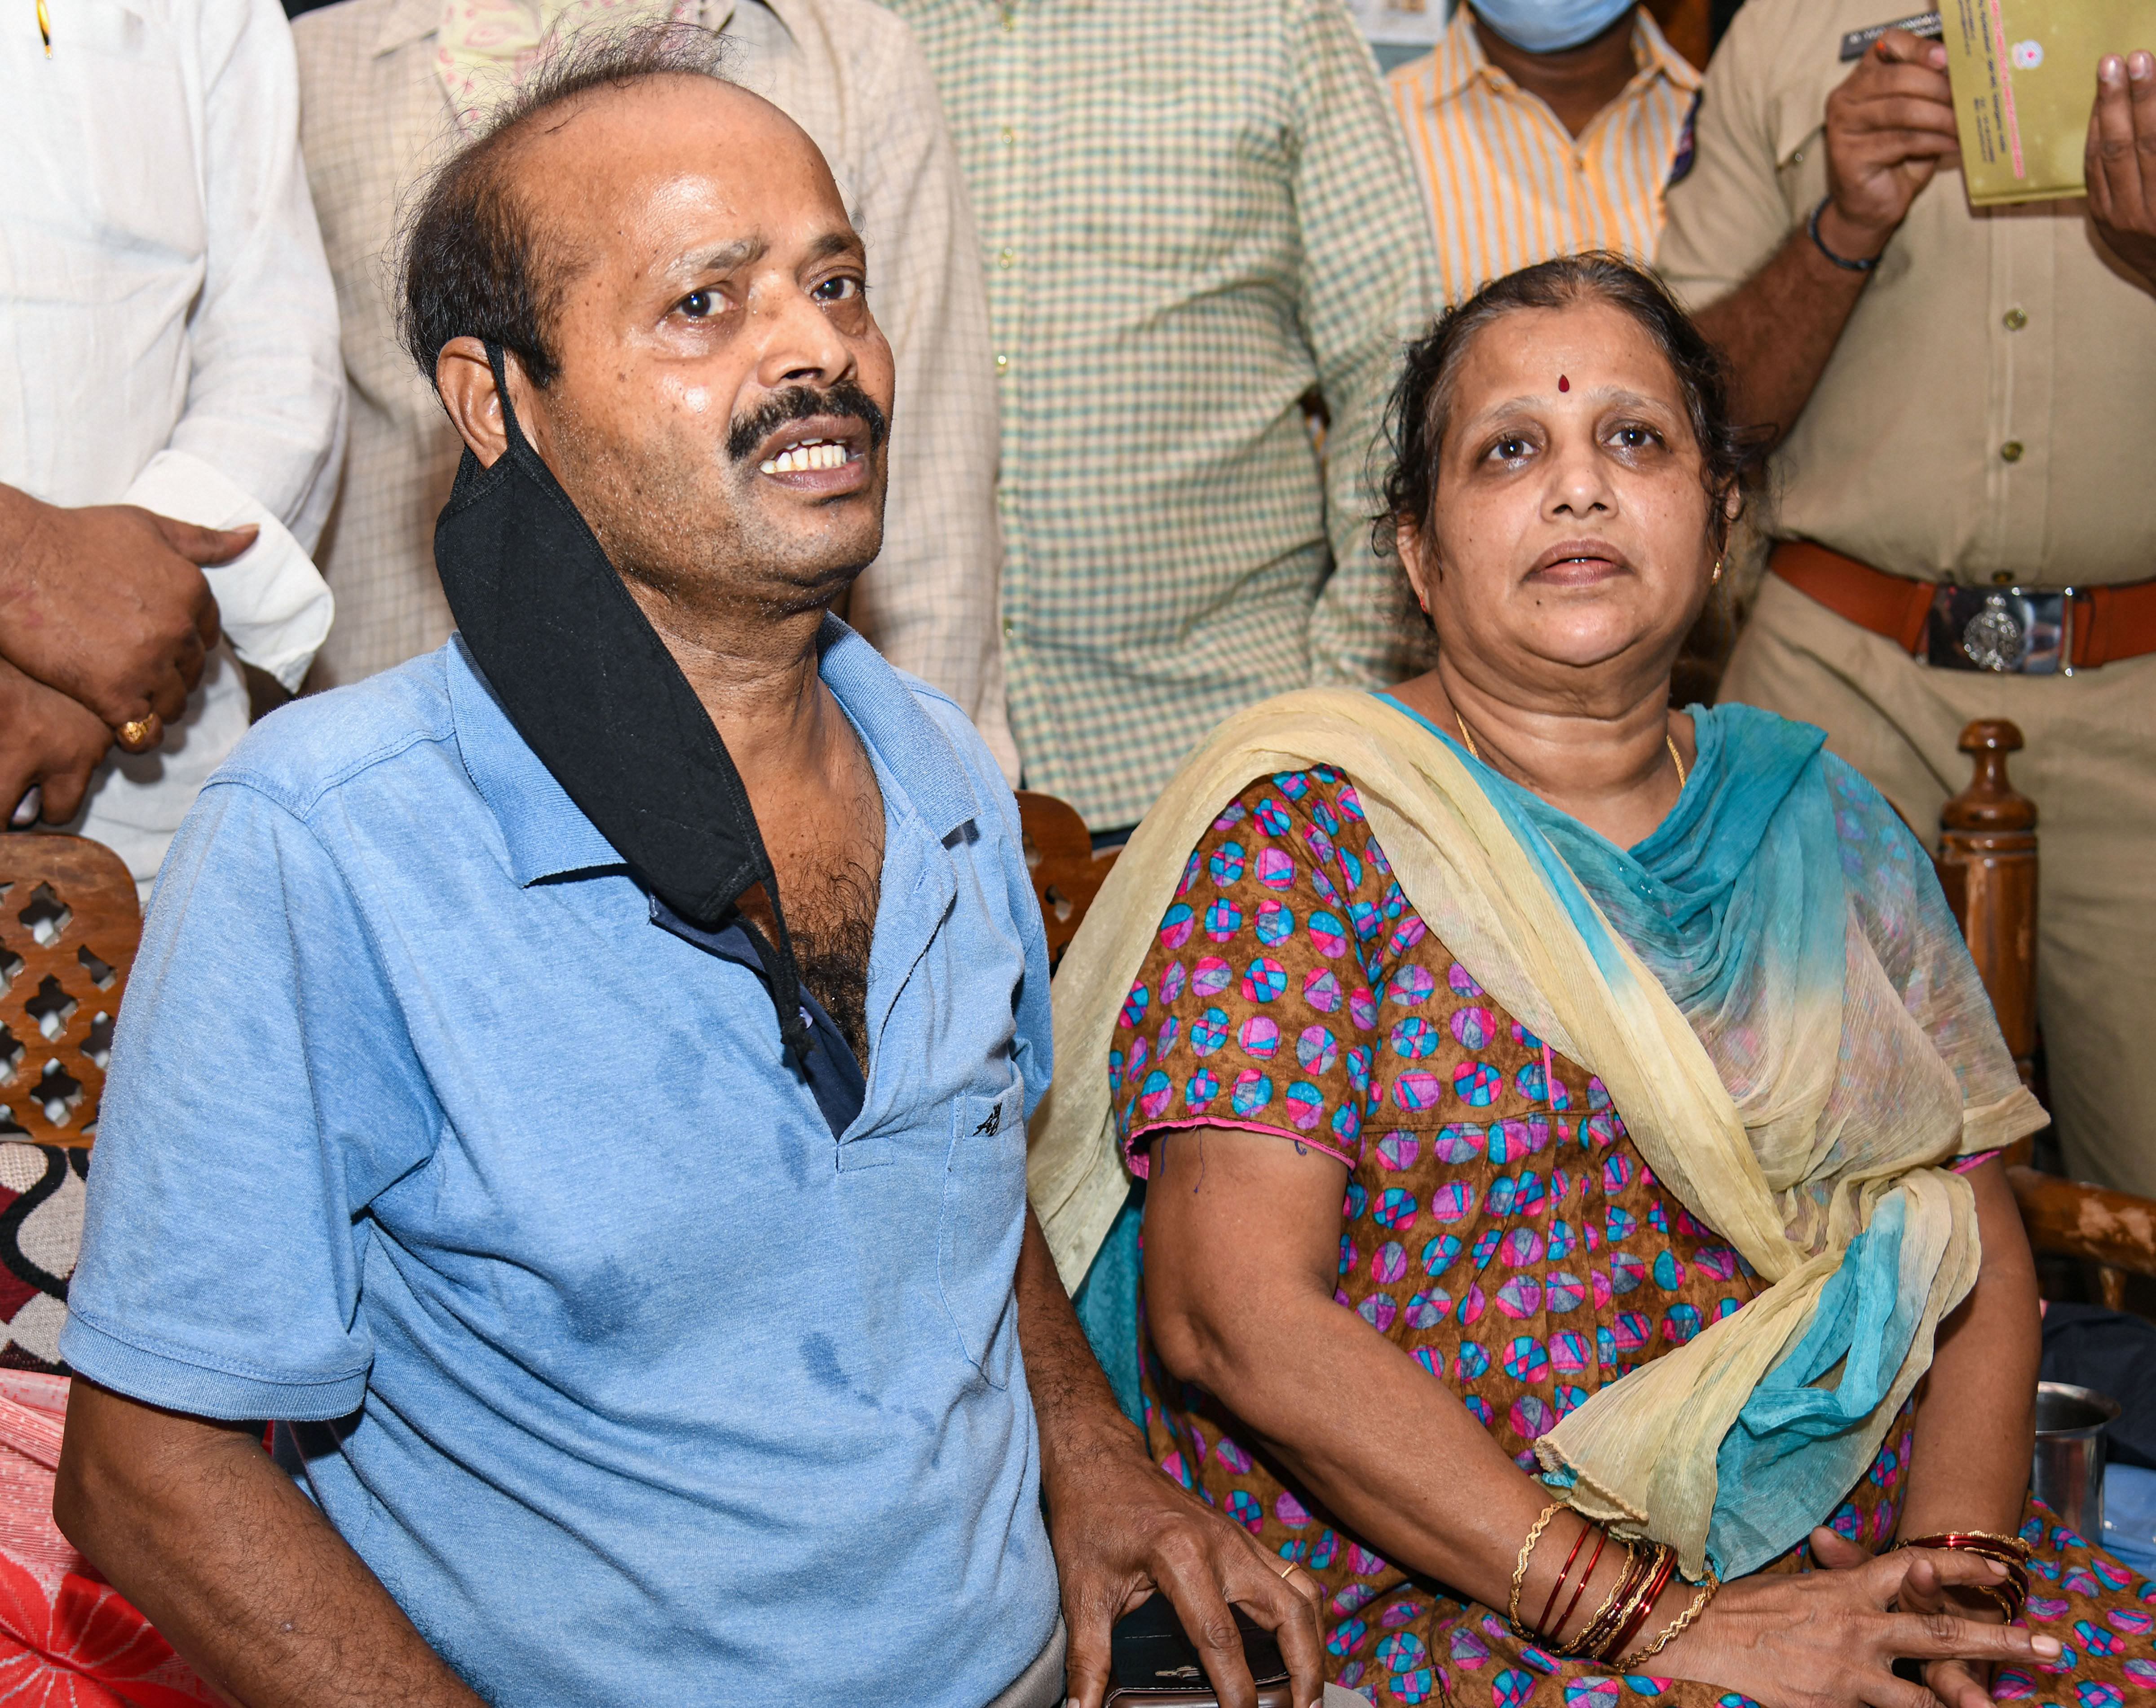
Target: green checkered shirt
[(1194, 214)]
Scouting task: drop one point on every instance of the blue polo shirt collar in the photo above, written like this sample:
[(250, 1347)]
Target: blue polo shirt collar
[(547, 835)]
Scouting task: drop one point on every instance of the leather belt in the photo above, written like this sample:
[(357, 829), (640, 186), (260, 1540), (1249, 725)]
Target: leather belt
[(2005, 630)]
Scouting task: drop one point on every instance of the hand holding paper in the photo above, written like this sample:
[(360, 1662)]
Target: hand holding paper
[(1888, 126), (2120, 165)]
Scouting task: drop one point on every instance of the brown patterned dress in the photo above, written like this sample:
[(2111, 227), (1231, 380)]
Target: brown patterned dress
[(1499, 1226)]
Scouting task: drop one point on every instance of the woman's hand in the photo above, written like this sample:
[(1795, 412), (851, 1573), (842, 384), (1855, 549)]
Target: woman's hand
[(1958, 1684), (1825, 1639)]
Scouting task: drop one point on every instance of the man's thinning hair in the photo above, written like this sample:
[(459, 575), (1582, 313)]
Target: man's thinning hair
[(476, 262)]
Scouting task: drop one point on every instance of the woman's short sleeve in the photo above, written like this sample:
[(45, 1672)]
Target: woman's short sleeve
[(1284, 965)]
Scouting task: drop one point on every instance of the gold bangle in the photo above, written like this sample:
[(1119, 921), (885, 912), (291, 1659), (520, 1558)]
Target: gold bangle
[(1599, 1626), (1519, 1570), (1677, 1627)]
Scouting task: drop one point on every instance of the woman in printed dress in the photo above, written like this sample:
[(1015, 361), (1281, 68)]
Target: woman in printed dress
[(1572, 1125)]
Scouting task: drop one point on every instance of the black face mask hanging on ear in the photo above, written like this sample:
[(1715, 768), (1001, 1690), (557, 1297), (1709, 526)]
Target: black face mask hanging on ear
[(593, 691)]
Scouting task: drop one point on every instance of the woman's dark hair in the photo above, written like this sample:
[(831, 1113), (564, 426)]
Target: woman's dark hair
[(1421, 407), (476, 261)]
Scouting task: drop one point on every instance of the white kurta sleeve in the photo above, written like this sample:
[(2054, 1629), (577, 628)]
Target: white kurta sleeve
[(262, 435)]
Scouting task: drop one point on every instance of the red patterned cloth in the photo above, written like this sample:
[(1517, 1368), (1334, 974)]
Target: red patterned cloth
[(68, 1638)]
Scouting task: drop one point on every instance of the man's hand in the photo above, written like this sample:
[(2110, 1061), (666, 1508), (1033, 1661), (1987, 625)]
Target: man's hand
[(2121, 162), (1888, 126), (47, 742), (1121, 1529), (108, 603)]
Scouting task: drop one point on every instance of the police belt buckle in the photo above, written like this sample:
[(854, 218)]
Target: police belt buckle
[(2007, 631)]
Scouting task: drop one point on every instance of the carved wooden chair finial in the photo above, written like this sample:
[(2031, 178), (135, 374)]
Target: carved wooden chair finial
[(1987, 868)]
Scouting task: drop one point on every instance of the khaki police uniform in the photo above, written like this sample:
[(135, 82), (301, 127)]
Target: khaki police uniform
[(1988, 419)]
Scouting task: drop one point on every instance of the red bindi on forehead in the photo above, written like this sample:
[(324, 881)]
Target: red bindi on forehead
[(1563, 383)]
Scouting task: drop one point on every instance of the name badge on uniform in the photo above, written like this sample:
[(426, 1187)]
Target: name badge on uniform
[(1921, 23)]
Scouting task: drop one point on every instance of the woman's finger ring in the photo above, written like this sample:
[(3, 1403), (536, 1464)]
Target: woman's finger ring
[(1285, 1569), (140, 735)]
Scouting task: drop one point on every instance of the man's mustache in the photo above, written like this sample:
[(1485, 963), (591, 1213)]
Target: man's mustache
[(805, 403)]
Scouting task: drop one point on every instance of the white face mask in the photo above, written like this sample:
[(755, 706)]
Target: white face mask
[(1550, 26)]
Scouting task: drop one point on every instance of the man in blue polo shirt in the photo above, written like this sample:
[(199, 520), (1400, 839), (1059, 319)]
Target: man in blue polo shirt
[(576, 1083)]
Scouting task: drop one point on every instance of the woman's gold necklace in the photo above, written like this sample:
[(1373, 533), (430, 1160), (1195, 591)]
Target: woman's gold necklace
[(1668, 741)]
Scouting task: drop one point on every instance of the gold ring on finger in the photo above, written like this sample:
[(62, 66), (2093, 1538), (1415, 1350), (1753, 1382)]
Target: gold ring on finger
[(1288, 1568), (141, 735)]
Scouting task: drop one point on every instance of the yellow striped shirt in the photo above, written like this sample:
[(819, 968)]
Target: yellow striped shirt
[(1508, 185)]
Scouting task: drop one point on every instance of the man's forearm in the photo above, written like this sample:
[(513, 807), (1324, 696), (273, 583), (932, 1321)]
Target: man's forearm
[(1778, 330), (1071, 1398), (193, 1523)]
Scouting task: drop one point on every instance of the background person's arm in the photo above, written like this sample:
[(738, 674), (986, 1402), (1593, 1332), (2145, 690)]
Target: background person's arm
[(196, 1525), (1121, 1529), (51, 744), (107, 605), (1888, 126)]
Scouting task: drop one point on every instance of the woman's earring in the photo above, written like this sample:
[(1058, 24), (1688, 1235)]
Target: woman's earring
[(1717, 576)]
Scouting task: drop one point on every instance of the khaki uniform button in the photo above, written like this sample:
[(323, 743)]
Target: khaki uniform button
[(2015, 319), (2011, 450)]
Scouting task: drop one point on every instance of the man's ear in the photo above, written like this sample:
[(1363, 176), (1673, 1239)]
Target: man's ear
[(465, 381)]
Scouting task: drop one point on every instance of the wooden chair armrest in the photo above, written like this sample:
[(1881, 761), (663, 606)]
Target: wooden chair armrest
[(2066, 1217)]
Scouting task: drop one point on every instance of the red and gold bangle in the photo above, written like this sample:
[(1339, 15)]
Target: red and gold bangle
[(1973, 1541), (1564, 1619), (1542, 1624), (1603, 1618), (1676, 1628), (2010, 1551), (1643, 1606), (1639, 1567)]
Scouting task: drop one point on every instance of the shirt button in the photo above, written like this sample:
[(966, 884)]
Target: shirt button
[(2011, 450), (1004, 362), (1009, 136), (2014, 319), (1009, 627), (1005, 259)]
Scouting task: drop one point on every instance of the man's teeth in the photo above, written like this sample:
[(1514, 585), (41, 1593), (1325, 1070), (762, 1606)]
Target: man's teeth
[(817, 453)]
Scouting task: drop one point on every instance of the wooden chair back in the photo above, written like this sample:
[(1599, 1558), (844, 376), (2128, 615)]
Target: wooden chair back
[(1066, 872), (1987, 864), (69, 926)]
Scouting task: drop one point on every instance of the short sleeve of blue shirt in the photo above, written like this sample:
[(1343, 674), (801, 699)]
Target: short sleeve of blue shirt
[(252, 1042)]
